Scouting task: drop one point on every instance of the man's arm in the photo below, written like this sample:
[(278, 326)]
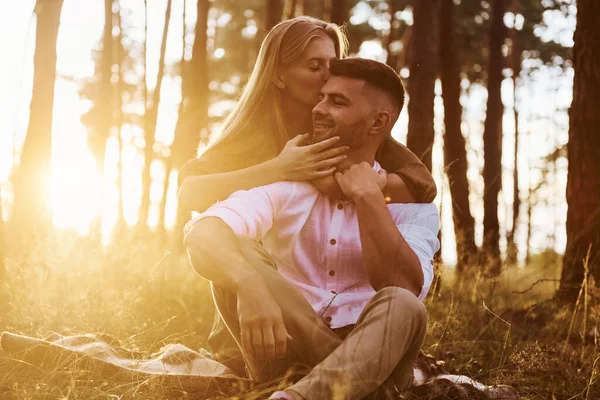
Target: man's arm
[(211, 244), (211, 238), (388, 257), (214, 251)]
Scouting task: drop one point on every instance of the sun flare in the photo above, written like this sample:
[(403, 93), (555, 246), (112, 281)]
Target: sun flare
[(75, 190)]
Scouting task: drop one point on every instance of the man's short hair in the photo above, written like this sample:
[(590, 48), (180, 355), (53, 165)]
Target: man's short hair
[(377, 74)]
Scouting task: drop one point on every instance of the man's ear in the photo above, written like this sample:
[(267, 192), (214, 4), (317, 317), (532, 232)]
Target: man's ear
[(380, 123)]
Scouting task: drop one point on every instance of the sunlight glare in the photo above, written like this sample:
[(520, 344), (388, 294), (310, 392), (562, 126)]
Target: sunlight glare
[(75, 189)]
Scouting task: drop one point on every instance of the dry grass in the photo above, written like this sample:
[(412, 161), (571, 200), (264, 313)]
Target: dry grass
[(147, 297)]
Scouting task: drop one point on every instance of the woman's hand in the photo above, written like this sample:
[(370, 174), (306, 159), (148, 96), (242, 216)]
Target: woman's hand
[(298, 162)]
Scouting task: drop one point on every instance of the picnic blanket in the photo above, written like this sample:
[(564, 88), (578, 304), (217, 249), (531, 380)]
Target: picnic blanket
[(184, 369), (103, 356)]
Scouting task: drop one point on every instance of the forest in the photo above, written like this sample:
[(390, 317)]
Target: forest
[(104, 101)]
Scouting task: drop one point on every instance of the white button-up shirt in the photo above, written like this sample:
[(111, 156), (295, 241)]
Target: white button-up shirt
[(315, 242)]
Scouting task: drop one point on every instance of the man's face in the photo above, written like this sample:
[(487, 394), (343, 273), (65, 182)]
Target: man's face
[(343, 110)]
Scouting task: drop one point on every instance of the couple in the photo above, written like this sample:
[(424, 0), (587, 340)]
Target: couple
[(338, 281)]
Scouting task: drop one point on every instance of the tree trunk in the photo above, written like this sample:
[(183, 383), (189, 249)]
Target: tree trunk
[(106, 107), (118, 100), (583, 182), (529, 212), (492, 143), (193, 112), (421, 83), (314, 8), (511, 247), (2, 242), (404, 57), (340, 12), (150, 124), (274, 13), (391, 59), (31, 182), (290, 9), (455, 153), (169, 160)]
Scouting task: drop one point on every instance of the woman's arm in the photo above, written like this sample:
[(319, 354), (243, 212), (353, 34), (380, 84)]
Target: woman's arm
[(199, 192), (409, 180), (200, 188)]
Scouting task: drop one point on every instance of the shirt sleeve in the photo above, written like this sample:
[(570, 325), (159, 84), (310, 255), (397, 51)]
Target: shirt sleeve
[(396, 158), (419, 225), (250, 213)]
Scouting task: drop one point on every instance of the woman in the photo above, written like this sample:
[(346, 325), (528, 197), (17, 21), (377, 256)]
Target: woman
[(265, 139)]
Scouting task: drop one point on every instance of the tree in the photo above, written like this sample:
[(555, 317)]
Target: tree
[(455, 154), (314, 8), (193, 110), (2, 240), (421, 83), (293, 8), (121, 55), (387, 43), (176, 147), (274, 13), (100, 118), (31, 180), (340, 12), (515, 61), (106, 90), (583, 181), (150, 123), (492, 142)]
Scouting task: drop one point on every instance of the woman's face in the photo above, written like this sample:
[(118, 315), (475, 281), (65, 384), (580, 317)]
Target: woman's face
[(304, 77)]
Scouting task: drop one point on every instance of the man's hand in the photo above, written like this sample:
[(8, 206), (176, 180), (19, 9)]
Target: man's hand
[(329, 187), (360, 179), (264, 335)]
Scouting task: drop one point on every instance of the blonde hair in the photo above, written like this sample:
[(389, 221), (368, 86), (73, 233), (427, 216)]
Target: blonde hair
[(255, 126)]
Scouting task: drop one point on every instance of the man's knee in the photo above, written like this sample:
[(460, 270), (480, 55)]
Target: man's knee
[(404, 299)]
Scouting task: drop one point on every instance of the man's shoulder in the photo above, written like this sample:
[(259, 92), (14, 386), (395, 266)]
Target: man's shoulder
[(281, 190), (287, 187), (405, 210)]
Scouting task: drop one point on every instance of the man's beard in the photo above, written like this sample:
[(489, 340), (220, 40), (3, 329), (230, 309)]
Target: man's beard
[(351, 138), (323, 128), (320, 134)]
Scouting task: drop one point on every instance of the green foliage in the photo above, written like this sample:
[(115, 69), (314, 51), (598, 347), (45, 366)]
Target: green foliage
[(472, 24)]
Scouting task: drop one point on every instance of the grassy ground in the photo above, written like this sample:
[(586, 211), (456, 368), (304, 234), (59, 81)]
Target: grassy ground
[(148, 297)]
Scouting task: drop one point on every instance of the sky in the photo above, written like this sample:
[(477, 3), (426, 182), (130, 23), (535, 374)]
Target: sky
[(75, 193)]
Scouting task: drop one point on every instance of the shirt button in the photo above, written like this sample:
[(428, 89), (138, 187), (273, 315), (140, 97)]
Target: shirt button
[(331, 273), (332, 242), (340, 206), (334, 292), (328, 319)]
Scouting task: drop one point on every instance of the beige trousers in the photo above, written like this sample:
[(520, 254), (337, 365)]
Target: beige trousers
[(380, 349)]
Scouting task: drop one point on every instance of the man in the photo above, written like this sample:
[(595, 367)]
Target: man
[(337, 284)]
